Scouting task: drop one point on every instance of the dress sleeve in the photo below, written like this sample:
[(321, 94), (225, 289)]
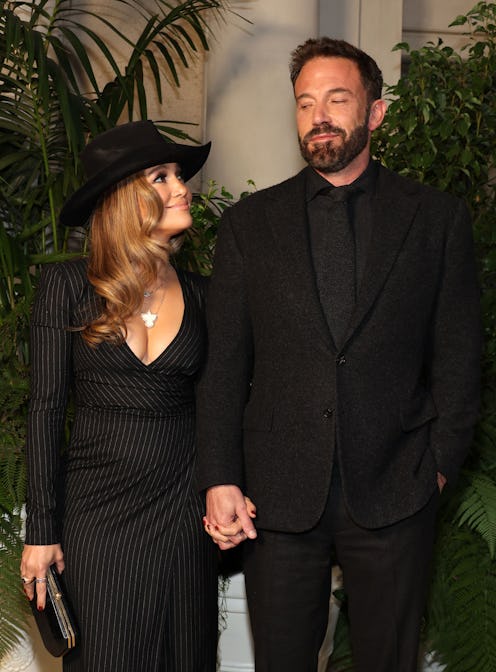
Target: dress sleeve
[(51, 363)]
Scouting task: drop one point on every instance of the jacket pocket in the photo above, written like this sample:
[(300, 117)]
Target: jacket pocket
[(417, 411)]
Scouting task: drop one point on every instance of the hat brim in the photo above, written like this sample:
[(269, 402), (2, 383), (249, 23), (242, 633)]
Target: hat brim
[(78, 208)]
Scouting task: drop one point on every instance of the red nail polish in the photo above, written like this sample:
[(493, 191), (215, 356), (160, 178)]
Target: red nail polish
[(41, 608)]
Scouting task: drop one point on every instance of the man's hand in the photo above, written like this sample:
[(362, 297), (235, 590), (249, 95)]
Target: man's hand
[(441, 481), (229, 516)]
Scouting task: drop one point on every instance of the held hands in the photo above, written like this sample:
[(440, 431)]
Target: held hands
[(35, 562), (229, 516)]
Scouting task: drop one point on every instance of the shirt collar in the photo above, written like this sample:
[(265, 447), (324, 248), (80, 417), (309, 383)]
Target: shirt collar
[(315, 182)]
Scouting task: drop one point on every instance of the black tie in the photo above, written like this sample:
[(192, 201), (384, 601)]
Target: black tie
[(335, 264)]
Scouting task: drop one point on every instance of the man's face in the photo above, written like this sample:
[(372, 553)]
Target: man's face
[(332, 113)]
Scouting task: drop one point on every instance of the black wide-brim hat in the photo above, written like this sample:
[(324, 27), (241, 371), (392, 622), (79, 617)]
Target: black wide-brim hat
[(120, 152)]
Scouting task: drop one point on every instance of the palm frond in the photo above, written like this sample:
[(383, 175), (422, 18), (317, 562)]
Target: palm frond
[(463, 600), (50, 96), (13, 399), (13, 604), (478, 509)]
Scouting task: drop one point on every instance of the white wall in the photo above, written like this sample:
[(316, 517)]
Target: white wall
[(250, 104), (373, 25)]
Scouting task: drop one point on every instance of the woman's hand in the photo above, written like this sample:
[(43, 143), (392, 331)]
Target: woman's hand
[(229, 515), (35, 562)]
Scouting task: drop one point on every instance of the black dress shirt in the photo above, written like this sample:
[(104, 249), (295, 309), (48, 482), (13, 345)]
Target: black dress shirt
[(319, 207)]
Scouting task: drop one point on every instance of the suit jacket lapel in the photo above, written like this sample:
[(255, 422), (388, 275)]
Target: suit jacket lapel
[(393, 214), (286, 214)]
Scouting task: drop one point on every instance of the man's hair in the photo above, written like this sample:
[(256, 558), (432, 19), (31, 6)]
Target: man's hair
[(325, 47)]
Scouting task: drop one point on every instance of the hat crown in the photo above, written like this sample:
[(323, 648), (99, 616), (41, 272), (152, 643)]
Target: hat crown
[(118, 144)]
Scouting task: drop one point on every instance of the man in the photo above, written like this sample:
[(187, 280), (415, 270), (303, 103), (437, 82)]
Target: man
[(341, 387)]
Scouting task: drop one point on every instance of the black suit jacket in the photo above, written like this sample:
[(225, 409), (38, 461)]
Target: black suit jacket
[(398, 401)]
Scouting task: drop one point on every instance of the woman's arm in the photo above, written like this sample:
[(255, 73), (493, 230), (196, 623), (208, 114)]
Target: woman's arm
[(51, 365)]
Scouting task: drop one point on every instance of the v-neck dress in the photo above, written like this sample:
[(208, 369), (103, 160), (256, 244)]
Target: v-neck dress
[(120, 497)]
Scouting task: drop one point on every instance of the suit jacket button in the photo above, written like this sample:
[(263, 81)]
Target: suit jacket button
[(327, 413), (341, 360)]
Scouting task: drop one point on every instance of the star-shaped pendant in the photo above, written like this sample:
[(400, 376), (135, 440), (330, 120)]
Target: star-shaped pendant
[(149, 319)]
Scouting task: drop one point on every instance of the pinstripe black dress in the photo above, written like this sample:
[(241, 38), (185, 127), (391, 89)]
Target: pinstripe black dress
[(140, 571)]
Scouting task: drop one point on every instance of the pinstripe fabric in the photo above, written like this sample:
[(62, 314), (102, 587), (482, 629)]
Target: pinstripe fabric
[(139, 570)]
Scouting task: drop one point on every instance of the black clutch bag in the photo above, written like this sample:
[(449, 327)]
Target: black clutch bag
[(56, 622)]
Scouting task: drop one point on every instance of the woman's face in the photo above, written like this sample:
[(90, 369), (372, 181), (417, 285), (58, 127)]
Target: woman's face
[(175, 195)]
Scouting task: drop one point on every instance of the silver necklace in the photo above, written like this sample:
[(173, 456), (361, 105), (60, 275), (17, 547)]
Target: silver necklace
[(150, 318)]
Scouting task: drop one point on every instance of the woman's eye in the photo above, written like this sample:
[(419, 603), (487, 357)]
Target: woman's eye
[(161, 177), (164, 177)]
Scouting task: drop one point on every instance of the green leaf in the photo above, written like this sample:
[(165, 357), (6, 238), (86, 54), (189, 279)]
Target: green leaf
[(478, 509)]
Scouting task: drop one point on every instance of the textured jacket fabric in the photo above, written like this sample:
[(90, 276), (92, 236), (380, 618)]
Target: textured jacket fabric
[(397, 403)]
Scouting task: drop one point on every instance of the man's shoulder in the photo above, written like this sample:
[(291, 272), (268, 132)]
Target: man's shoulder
[(391, 180)]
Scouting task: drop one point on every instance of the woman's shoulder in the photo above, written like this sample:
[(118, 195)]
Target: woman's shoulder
[(61, 288), (72, 272)]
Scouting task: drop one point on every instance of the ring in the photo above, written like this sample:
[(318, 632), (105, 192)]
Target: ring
[(26, 580), (42, 579)]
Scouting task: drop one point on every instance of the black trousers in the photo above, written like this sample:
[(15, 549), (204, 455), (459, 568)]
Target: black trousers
[(385, 574)]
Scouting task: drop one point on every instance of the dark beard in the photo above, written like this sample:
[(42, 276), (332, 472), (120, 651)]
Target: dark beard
[(327, 158)]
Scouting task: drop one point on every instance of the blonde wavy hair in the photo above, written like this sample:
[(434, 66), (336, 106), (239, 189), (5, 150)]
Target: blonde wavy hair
[(123, 257)]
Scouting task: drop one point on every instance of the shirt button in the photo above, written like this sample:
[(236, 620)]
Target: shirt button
[(341, 360)]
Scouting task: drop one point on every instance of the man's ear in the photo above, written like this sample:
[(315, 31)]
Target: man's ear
[(376, 114)]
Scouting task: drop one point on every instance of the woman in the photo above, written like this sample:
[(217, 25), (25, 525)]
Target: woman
[(123, 332)]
